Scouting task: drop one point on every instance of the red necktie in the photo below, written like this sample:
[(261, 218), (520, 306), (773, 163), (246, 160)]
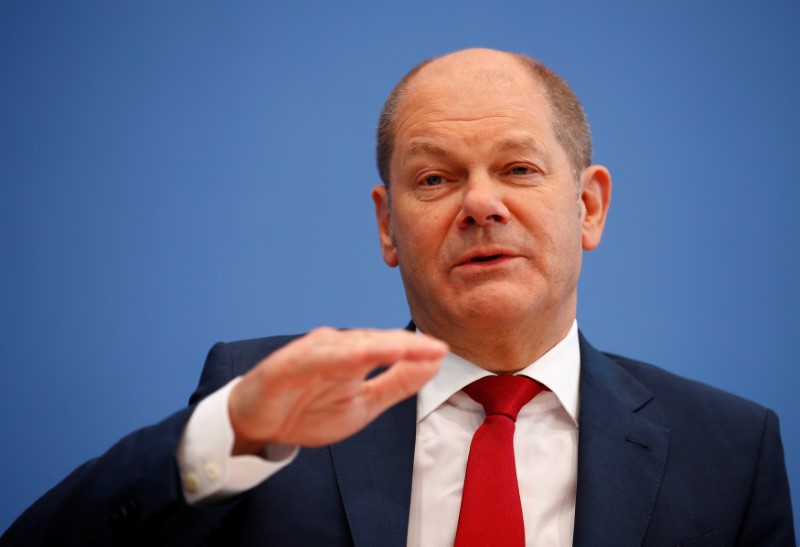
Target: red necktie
[(491, 513)]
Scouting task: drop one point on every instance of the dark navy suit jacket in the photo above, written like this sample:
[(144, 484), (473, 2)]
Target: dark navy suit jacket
[(661, 461)]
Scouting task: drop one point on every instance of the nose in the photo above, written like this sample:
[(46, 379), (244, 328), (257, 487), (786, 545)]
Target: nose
[(482, 203)]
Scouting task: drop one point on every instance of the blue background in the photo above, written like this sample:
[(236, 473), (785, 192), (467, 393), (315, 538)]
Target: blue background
[(177, 173)]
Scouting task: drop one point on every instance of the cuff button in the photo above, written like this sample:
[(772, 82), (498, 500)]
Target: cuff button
[(191, 483)]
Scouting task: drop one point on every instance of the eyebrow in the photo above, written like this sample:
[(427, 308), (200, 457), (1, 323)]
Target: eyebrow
[(521, 143), (420, 148)]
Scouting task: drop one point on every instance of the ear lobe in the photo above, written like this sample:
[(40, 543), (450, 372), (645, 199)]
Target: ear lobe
[(380, 197), (595, 197)]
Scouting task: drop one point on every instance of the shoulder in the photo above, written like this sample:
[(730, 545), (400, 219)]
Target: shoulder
[(692, 403), (244, 354), (725, 464), (227, 360)]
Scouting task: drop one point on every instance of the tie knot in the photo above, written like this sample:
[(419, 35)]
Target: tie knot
[(503, 394)]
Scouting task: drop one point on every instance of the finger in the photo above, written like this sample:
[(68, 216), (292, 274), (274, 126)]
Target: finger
[(354, 352), (400, 381)]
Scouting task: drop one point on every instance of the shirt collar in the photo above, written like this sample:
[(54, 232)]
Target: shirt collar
[(558, 369)]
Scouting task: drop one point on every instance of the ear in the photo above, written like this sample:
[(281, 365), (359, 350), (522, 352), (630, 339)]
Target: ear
[(595, 196), (383, 215)]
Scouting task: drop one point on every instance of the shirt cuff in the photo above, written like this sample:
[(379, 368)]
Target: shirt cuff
[(208, 470)]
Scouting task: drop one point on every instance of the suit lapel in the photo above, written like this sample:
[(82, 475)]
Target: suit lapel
[(621, 454), (373, 470)]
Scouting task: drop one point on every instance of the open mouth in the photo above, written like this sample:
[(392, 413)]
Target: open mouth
[(485, 258)]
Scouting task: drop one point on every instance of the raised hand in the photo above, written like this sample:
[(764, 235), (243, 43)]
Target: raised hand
[(314, 391)]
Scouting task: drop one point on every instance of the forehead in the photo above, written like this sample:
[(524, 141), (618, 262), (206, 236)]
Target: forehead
[(481, 90)]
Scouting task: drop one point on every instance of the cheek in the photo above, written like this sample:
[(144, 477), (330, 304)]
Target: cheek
[(554, 232), (422, 251), (422, 227)]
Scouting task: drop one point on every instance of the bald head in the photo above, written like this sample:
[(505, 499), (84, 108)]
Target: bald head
[(462, 72)]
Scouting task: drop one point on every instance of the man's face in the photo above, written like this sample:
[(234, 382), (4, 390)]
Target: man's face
[(485, 219)]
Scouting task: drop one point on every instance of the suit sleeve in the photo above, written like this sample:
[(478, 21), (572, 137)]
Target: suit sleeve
[(769, 519), (132, 494)]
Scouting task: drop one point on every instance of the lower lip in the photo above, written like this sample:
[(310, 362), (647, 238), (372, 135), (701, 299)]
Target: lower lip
[(486, 264)]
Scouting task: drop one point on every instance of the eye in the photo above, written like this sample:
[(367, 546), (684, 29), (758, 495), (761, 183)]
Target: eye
[(433, 180), (521, 170)]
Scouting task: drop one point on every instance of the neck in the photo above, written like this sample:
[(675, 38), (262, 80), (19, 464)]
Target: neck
[(501, 350)]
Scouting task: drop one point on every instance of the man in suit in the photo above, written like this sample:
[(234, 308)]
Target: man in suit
[(489, 199)]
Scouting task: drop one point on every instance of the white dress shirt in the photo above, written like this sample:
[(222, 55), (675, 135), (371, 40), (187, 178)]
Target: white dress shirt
[(545, 446)]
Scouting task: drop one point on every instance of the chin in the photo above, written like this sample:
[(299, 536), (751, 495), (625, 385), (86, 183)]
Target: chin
[(494, 308)]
